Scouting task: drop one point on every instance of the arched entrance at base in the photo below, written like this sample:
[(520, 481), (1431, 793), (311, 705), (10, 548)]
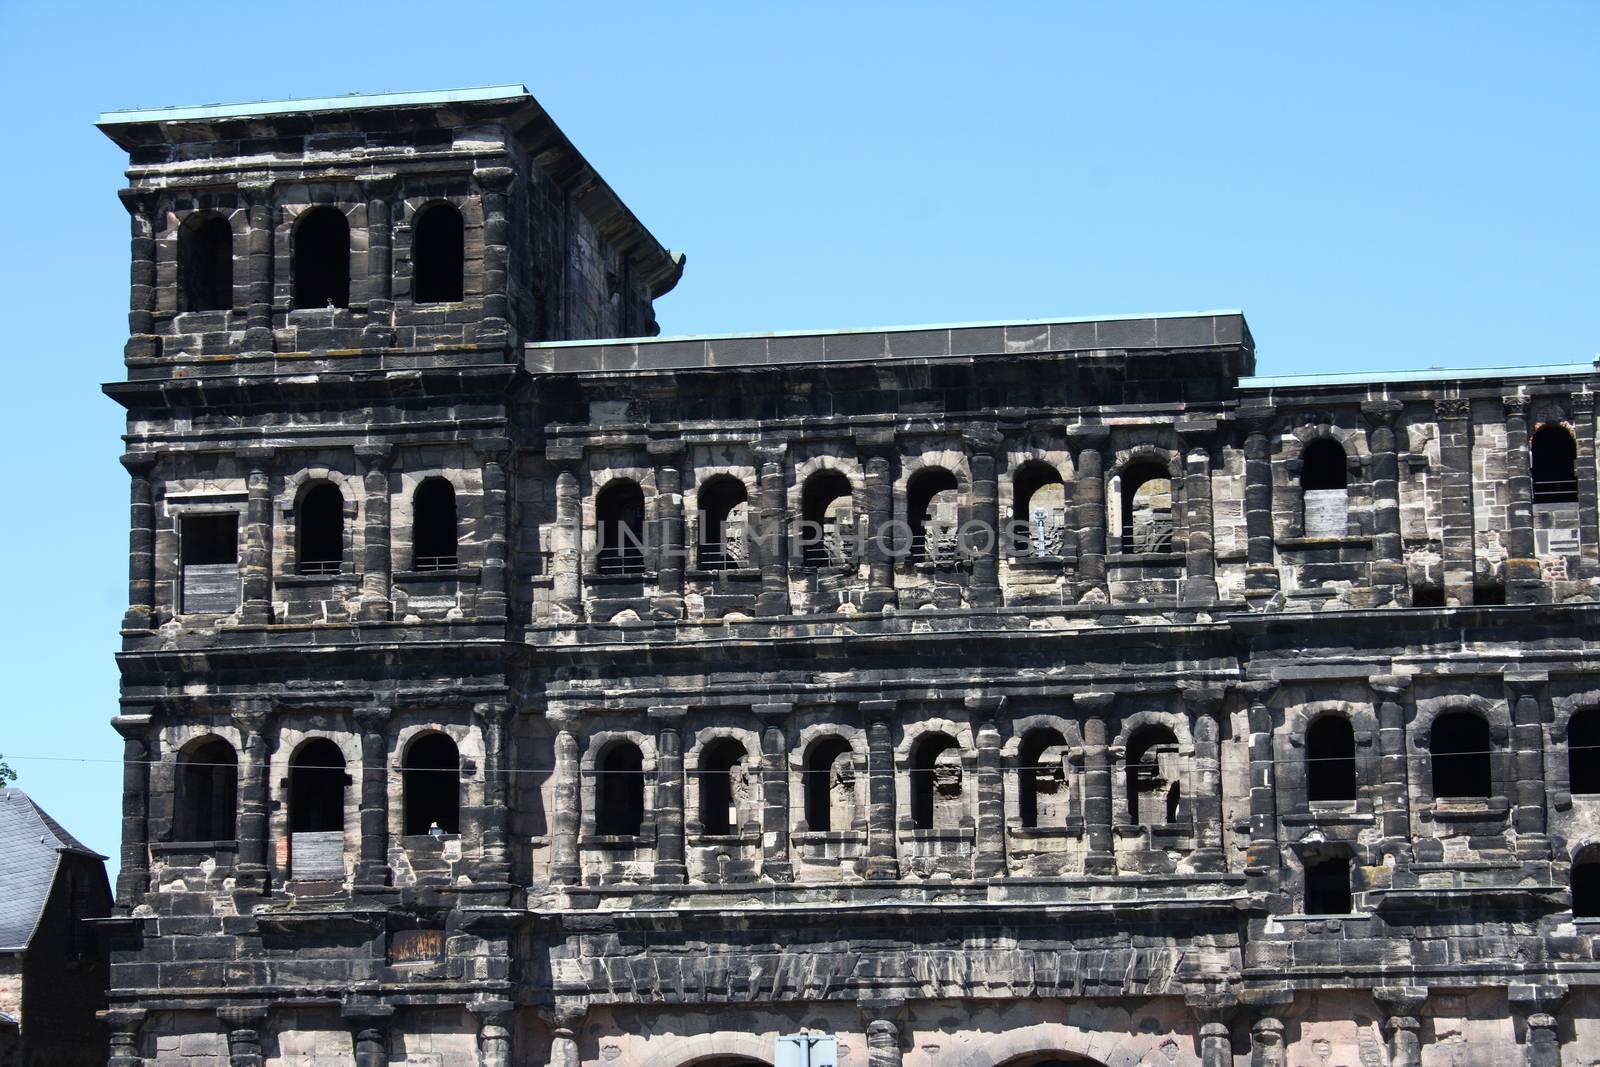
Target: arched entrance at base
[(1052, 1059)]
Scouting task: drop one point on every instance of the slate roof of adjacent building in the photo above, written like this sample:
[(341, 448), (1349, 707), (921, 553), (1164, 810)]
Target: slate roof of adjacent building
[(31, 844)]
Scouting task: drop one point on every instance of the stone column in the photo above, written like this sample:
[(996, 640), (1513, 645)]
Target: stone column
[(667, 544), (775, 861), (1093, 710), (1584, 429), (495, 183), (876, 449), (669, 792), (376, 559), (255, 560), (123, 1026), (251, 718), (496, 865), (1538, 1005), (1393, 790), (565, 868), (771, 540), (372, 869), (882, 1020), (882, 861), (243, 1024), (379, 300), (1266, 1042), (1400, 1005), (492, 603), (565, 1022), (141, 613), (982, 538), (1204, 705), (1261, 568), (142, 340), (1525, 691), (1089, 510), (989, 853), (496, 1030), (138, 752), (1263, 861), (1200, 557), (566, 537), (1212, 1011), (1454, 418), (1524, 582), (369, 1022), (1387, 574), (258, 335)]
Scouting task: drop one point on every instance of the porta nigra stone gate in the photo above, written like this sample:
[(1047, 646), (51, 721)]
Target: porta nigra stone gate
[(504, 685)]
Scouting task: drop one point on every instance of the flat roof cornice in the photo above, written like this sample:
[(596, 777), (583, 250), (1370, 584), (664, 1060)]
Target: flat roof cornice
[(348, 102)]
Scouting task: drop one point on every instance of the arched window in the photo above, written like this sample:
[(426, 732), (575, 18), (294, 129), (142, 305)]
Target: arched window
[(1586, 884), (1328, 886), (1331, 759), (830, 785), (319, 529), (438, 254), (827, 515), (1554, 464), (316, 788), (936, 783), (1146, 508), (207, 792), (722, 782), (1152, 768), (1038, 511), (1583, 752), (431, 777), (619, 791), (1324, 488), (619, 520), (1459, 744), (433, 526), (322, 259), (932, 509), (1042, 778), (205, 263), (724, 540)]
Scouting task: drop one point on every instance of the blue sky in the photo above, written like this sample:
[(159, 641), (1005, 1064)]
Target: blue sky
[(1376, 185)]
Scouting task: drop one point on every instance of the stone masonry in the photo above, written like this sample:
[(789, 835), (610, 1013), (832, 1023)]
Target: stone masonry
[(502, 684)]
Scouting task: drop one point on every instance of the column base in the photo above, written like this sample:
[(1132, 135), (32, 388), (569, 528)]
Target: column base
[(1260, 579), (1208, 860), (672, 871), (880, 869), (142, 346), (777, 870), (667, 608), (771, 604), (1199, 590), (255, 613), (374, 608), (138, 618), (259, 339), (878, 599), (1100, 865), (566, 874)]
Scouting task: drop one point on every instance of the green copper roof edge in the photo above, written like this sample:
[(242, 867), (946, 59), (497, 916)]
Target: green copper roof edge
[(1430, 374), (350, 102), (882, 329)]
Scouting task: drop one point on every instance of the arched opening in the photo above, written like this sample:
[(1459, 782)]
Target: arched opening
[(207, 792), (1328, 886), (1553, 461), (619, 791), (1324, 488), (1583, 752), (205, 263), (433, 526), (431, 776), (933, 511), (1154, 794), (1042, 778), (722, 781), (1146, 508), (438, 254), (1331, 759), (936, 801), (619, 521), (1038, 511), (830, 785), (724, 515), (827, 517), (319, 529), (316, 788), (1586, 884), (1052, 1059), (322, 259), (1459, 745)]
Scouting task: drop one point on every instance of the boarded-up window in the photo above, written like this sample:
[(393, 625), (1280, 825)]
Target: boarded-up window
[(208, 546), (317, 783), (1324, 488)]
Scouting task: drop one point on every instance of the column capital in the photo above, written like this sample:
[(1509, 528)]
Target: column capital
[(1452, 407), (251, 715), (371, 1014), (132, 727), (138, 202), (1516, 406), (1536, 999), (1259, 691), (1382, 412), (1197, 433), (875, 443), (982, 438), (669, 715), (492, 449), (492, 711), (255, 456), (257, 190), (375, 457), (380, 185), (372, 720), (879, 709), (242, 1016), (1094, 703), (1088, 435), (1212, 1007), (140, 464), (665, 448), (1400, 1001), (771, 713), (567, 455), (1583, 402), (1256, 418), (123, 1019), (882, 1011), (771, 449), (986, 708), (1390, 685), (1203, 700), (1525, 683), (491, 1010), (494, 179)]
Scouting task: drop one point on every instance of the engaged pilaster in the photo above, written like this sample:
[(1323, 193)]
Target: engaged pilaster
[(1261, 568), (771, 540), (1204, 705), (881, 861), (369, 1024), (495, 1031), (492, 604), (1454, 418), (141, 611), (1524, 582), (123, 1027), (1387, 574), (255, 560), (1538, 1006), (981, 537), (566, 538), (496, 865), (1089, 509), (876, 449), (565, 868), (667, 544), (1263, 860), (1094, 709), (373, 867), (775, 861), (376, 559), (258, 335), (1584, 428), (883, 1019), (251, 717), (1402, 1024), (989, 854), (1526, 693), (138, 752), (243, 1025), (669, 792), (494, 184), (142, 340), (1200, 557)]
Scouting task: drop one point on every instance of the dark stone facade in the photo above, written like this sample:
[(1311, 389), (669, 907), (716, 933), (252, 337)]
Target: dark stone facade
[(979, 694)]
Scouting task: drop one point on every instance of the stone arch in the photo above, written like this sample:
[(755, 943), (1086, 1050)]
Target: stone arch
[(295, 200), (705, 740), (600, 743), (402, 503), (1021, 1044), (1498, 717), (1119, 511), (687, 1051), (1558, 768), (1290, 745), (811, 736), (1185, 779), (410, 207)]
